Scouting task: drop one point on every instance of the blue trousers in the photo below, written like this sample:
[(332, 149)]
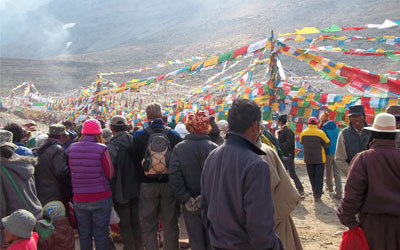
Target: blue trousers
[(93, 220)]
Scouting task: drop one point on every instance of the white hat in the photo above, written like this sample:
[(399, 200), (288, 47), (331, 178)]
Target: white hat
[(384, 122)]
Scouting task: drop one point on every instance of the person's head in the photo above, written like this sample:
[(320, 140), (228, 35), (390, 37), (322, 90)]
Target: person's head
[(153, 111), (384, 127), (7, 147), (67, 125), (102, 123), (312, 121), (357, 116), (107, 135), (214, 126), (198, 123), (282, 120), (244, 117), (324, 117), (54, 209), (223, 125), (18, 225), (92, 127), (16, 130), (118, 124), (57, 131), (395, 110)]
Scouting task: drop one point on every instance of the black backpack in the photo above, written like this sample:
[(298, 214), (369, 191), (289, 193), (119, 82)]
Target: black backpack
[(158, 152)]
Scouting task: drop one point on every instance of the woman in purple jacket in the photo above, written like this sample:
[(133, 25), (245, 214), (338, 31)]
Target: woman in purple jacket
[(91, 169)]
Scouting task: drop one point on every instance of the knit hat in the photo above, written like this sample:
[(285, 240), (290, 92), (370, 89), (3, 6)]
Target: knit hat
[(384, 122), (20, 223), (91, 127), (6, 138), (313, 120), (107, 134), (198, 123), (214, 126), (55, 209)]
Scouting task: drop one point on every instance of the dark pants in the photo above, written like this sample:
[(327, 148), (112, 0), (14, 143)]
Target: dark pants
[(198, 235), (156, 199), (316, 175), (290, 167), (93, 220), (129, 224)]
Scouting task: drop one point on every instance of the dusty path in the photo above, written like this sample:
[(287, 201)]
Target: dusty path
[(317, 223)]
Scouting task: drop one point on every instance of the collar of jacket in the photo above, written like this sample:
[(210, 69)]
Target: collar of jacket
[(243, 141), (197, 137), (382, 143), (157, 123), (89, 138)]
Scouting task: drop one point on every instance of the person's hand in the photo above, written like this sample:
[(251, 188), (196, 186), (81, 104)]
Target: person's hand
[(190, 205)]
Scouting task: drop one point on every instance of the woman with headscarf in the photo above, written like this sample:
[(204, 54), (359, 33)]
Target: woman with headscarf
[(371, 194), (16, 170), (91, 170), (185, 168)]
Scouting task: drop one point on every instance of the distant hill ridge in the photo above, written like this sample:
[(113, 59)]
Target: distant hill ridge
[(123, 34)]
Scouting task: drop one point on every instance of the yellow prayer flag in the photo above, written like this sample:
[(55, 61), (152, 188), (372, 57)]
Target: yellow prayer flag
[(310, 96), (210, 62), (332, 107), (299, 38), (301, 92), (275, 106), (307, 112), (307, 30), (393, 102)]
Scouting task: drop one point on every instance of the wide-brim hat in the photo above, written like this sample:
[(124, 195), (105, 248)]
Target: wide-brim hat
[(20, 223), (394, 110), (385, 123), (6, 138)]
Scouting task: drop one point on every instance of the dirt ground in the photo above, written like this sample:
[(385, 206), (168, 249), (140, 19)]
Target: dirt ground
[(317, 223)]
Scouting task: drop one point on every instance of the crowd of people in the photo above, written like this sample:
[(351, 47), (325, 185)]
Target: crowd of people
[(231, 180)]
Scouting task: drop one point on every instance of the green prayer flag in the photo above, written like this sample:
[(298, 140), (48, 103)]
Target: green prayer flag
[(333, 28), (267, 116), (393, 57), (300, 111), (317, 97), (292, 126), (225, 57)]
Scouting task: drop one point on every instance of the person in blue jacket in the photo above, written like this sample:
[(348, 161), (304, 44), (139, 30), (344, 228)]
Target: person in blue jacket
[(332, 131)]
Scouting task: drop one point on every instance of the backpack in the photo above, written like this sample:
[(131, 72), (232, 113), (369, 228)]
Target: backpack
[(158, 151)]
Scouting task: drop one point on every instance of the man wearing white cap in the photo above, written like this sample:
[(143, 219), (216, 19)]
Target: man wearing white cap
[(371, 195)]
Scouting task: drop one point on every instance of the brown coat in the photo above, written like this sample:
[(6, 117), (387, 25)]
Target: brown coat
[(372, 190), (285, 199), (62, 237)]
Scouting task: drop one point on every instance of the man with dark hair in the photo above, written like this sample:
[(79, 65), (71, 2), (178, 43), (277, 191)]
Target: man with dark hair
[(236, 199), (125, 184), (53, 178), (287, 144), (353, 139), (19, 134), (156, 198)]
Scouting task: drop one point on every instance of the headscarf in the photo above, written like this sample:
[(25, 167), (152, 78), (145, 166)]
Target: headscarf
[(198, 123)]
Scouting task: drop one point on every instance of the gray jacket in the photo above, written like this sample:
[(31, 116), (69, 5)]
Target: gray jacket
[(186, 165), (21, 170), (236, 197)]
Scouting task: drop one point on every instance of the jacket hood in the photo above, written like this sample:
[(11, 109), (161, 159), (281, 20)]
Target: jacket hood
[(123, 140), (330, 125), (23, 166)]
